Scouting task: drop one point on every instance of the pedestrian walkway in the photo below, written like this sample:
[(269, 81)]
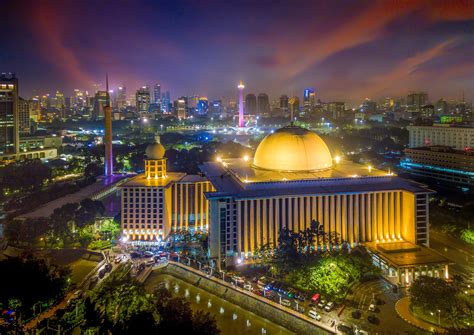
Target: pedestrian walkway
[(403, 309)]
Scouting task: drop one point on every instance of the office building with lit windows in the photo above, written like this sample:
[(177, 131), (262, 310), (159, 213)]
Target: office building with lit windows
[(157, 201), (292, 180)]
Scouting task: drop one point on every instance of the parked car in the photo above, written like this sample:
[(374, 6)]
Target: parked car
[(372, 307), (344, 328), (329, 306), (108, 267), (286, 302), (372, 319), (356, 314), (315, 315), (148, 254), (248, 287), (321, 303), (135, 255)]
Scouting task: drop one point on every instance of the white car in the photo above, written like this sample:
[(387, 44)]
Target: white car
[(248, 287), (315, 315), (372, 308), (286, 302), (329, 306)]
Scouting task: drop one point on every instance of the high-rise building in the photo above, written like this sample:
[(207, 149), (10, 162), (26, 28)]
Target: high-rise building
[(416, 100), (166, 102), (241, 104), (336, 110), (35, 109), (157, 94), (143, 100), (309, 99), (294, 105), (24, 123), (180, 108), (100, 99), (216, 109), (9, 121), (60, 101), (263, 105), (251, 104), (202, 107), (368, 106), (121, 98), (284, 103)]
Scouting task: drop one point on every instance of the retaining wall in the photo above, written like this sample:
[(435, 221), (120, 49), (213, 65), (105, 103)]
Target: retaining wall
[(285, 317)]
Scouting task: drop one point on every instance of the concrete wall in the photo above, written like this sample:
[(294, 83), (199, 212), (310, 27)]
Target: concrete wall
[(274, 312)]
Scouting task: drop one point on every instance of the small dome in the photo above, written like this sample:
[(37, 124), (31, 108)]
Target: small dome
[(293, 149), (155, 150)]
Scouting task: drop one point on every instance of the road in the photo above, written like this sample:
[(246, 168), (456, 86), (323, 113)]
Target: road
[(456, 251)]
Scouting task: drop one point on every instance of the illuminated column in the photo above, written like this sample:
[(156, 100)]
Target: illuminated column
[(398, 214), (258, 223), (239, 228), (363, 220), (241, 104), (252, 226), (264, 221), (246, 228), (271, 223)]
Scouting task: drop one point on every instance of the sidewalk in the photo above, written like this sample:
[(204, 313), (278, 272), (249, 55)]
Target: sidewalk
[(403, 310)]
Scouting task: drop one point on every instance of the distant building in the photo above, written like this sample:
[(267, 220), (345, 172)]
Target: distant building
[(441, 107), (441, 164), (9, 118), (202, 107), (452, 136), (100, 100), (416, 100), (336, 110), (216, 109), (368, 106), (263, 105), (309, 99), (121, 97), (250, 104), (24, 122), (284, 103), (180, 108), (157, 94), (143, 100)]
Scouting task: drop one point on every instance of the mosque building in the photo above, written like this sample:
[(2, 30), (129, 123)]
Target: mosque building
[(291, 181)]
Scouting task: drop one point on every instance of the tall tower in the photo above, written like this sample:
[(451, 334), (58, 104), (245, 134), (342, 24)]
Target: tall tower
[(108, 159), (9, 114), (241, 104)]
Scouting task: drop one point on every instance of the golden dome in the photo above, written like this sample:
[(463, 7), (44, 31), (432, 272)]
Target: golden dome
[(155, 150), (292, 149)]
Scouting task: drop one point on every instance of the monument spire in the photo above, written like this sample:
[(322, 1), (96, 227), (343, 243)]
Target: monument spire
[(241, 104)]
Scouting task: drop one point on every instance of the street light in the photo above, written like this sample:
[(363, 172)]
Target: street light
[(439, 317)]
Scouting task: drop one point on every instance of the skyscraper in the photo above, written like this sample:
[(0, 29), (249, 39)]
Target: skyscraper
[(284, 103), (180, 108), (121, 97), (309, 98), (263, 104), (24, 124), (251, 104), (143, 100), (157, 94), (416, 100), (202, 107), (9, 123), (100, 99), (241, 104)]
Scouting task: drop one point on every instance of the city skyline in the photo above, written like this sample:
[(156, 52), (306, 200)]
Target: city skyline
[(357, 52)]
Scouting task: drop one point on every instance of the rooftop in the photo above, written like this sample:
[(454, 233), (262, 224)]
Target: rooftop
[(142, 181), (228, 181), (406, 254)]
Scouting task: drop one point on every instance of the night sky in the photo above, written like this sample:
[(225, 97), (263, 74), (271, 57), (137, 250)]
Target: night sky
[(347, 50)]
